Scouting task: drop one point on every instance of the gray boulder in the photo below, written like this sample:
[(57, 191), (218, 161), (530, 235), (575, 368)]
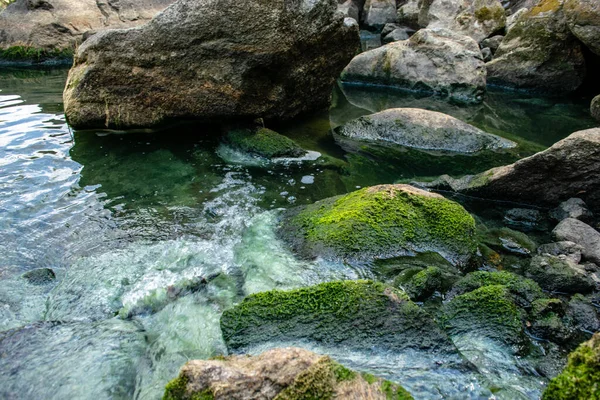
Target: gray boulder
[(595, 108), (539, 53), (477, 19), (377, 13), (212, 59), (492, 43), (572, 208), (487, 54), (422, 129), (408, 13), (567, 169), (583, 18), (397, 35), (59, 25), (581, 233), (565, 249), (559, 274), (436, 61), (350, 9)]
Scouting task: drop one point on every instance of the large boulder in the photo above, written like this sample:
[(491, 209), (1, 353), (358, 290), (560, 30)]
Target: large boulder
[(583, 18), (358, 315), (573, 230), (570, 168), (422, 129), (212, 59), (288, 373), (57, 26), (539, 53), (377, 13), (477, 19), (581, 377), (383, 221), (436, 61), (595, 108)]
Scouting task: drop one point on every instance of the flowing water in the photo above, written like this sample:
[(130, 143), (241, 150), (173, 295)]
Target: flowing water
[(151, 235)]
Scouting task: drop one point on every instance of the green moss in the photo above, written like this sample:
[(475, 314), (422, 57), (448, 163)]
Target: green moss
[(357, 314), (394, 392), (423, 284), (32, 54), (581, 378), (488, 311), (489, 14), (371, 379), (524, 291), (384, 222), (316, 382), (507, 240), (264, 142), (545, 6), (342, 373), (176, 390)]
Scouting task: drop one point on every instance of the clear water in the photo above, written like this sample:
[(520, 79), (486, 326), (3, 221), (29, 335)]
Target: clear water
[(130, 224)]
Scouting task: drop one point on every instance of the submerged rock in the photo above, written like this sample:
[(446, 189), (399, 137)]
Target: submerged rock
[(508, 240), (539, 52), (581, 233), (37, 30), (581, 378), (583, 18), (422, 129), (264, 143), (288, 373), (381, 222), (356, 314), (437, 61), (212, 60), (567, 169)]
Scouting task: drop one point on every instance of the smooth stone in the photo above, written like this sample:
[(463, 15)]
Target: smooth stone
[(377, 13), (581, 233), (570, 250), (572, 208)]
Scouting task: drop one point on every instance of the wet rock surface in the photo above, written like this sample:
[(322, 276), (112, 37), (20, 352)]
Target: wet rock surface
[(581, 233)]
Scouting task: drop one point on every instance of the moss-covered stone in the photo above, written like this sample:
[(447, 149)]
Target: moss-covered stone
[(524, 291), (581, 378), (507, 240), (489, 311), (177, 390), (357, 314), (34, 55), (264, 143), (382, 222), (547, 320), (421, 284), (558, 274)]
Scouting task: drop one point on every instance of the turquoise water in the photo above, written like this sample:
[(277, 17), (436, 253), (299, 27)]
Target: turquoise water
[(131, 224)]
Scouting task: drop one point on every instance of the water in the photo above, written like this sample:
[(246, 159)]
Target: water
[(151, 235)]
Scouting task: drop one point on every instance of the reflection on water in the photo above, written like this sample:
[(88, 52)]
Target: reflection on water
[(151, 235)]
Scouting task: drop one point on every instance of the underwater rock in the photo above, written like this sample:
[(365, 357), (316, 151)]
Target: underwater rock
[(35, 30), (572, 208), (567, 169), (476, 19), (436, 61), (40, 276), (539, 53), (422, 129), (581, 378), (264, 143), (595, 108), (581, 233), (377, 13), (381, 222), (283, 373), (508, 240), (559, 274), (212, 60), (523, 218), (583, 18), (357, 314)]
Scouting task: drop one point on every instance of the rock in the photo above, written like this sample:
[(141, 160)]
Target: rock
[(40, 276), (572, 208), (434, 61), (477, 19), (485, 312), (397, 35), (492, 43), (487, 54), (524, 291), (288, 373), (512, 19), (47, 28), (547, 321), (559, 275), (595, 108), (584, 314), (523, 218), (571, 251), (377, 13), (273, 61), (422, 284), (581, 377), (408, 13), (350, 9), (264, 143), (381, 222), (355, 314), (581, 233), (508, 240), (539, 53), (422, 129), (583, 18), (567, 169), (389, 28)]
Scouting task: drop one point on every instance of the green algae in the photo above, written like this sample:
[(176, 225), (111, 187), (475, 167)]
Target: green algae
[(423, 283), (581, 377), (33, 54), (263, 142), (177, 390), (384, 222)]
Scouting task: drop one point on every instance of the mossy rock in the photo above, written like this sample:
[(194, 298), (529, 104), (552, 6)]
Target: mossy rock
[(422, 283), (524, 291), (547, 321), (507, 241), (278, 374), (382, 222), (263, 143), (356, 314), (489, 311), (560, 275), (581, 378)]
